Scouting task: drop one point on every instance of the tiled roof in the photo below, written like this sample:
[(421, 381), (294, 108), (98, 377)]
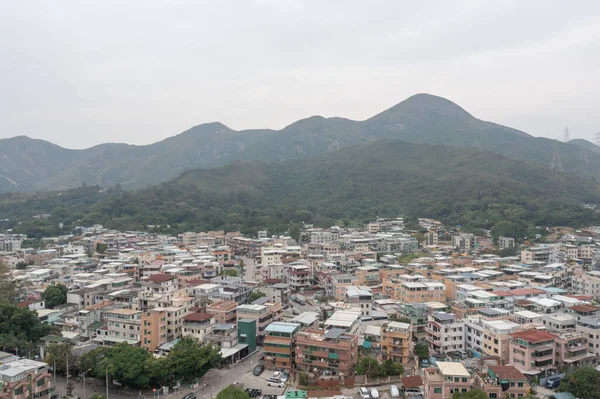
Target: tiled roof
[(161, 278), (198, 317), (507, 373)]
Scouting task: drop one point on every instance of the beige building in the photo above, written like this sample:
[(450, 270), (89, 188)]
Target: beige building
[(154, 329), (225, 312), (396, 341), (447, 378)]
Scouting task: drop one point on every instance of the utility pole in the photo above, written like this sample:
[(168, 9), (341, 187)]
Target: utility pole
[(84, 373), (106, 384)]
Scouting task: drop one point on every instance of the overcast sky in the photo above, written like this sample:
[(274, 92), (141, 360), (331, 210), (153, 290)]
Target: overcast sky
[(79, 73)]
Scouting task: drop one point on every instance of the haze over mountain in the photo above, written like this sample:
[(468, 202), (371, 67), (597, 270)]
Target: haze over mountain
[(27, 164)]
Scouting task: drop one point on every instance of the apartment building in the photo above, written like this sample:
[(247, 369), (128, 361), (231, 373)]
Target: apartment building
[(175, 316), (431, 238), (24, 378), (359, 299), (496, 338), (396, 341), (502, 382), (225, 312), (464, 242), (160, 284), (445, 332), (572, 350), (340, 283), (533, 351), (415, 292), (447, 378), (198, 325), (123, 326), (332, 352), (368, 275), (586, 283), (278, 292), (154, 329), (298, 277), (506, 242), (535, 254), (590, 327), (279, 344), (263, 314)]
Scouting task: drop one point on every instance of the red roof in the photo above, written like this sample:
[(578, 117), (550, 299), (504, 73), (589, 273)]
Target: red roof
[(24, 304), (198, 317), (585, 308), (502, 293), (272, 281), (534, 335), (523, 302), (161, 278), (507, 373), (412, 382), (581, 297)]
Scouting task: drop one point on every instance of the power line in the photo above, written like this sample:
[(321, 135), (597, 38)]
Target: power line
[(566, 134)]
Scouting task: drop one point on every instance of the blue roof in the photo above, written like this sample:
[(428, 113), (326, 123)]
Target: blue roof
[(280, 326), (554, 290)]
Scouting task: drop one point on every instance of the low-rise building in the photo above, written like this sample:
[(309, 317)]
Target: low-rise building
[(24, 378), (502, 382), (332, 352), (279, 344), (396, 341), (533, 351), (445, 333), (225, 312), (198, 325), (447, 378)]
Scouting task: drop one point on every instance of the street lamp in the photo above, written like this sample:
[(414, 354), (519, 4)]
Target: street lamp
[(84, 373)]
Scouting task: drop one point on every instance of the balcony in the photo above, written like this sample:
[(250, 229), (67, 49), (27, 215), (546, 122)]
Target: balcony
[(432, 332)]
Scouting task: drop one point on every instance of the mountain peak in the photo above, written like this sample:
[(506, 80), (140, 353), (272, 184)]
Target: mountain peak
[(423, 104)]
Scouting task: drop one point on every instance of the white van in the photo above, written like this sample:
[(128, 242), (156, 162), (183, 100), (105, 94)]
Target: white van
[(394, 391), (374, 393)]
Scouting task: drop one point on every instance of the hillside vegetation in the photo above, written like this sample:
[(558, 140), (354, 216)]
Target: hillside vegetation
[(383, 178)]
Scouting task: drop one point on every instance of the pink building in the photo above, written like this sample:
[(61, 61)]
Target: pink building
[(533, 351), (447, 378)]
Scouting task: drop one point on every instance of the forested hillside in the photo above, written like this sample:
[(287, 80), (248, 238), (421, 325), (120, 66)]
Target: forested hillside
[(383, 178)]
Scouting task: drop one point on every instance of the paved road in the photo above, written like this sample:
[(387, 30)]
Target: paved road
[(91, 387)]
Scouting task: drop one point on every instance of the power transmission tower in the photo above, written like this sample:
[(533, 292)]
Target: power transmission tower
[(556, 162), (566, 134), (597, 139), (584, 156)]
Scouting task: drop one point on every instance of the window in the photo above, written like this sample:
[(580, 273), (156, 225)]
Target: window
[(520, 384), (41, 382), (435, 390), (493, 395), (456, 379), (464, 380)]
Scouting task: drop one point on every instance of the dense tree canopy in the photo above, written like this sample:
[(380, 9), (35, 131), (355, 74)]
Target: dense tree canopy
[(20, 328), (136, 367), (370, 367), (55, 295), (471, 394), (422, 350), (583, 383), (256, 295)]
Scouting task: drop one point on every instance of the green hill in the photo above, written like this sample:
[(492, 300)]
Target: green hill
[(383, 178), (29, 165)]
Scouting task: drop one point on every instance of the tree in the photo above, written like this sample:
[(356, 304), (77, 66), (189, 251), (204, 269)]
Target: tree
[(9, 288), (96, 396), (368, 366), (303, 379), (256, 295), (188, 360), (392, 368), (230, 272), (56, 355), (20, 328), (422, 350), (232, 392), (101, 248), (583, 383), (55, 295), (129, 365), (472, 394)]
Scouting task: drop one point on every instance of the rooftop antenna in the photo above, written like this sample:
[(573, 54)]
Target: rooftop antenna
[(597, 139), (556, 162), (566, 134)]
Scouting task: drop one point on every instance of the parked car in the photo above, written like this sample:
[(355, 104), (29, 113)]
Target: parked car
[(364, 393), (253, 393), (424, 363), (272, 382), (394, 391), (374, 393), (276, 375), (258, 370), (190, 396), (285, 375), (553, 382)]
